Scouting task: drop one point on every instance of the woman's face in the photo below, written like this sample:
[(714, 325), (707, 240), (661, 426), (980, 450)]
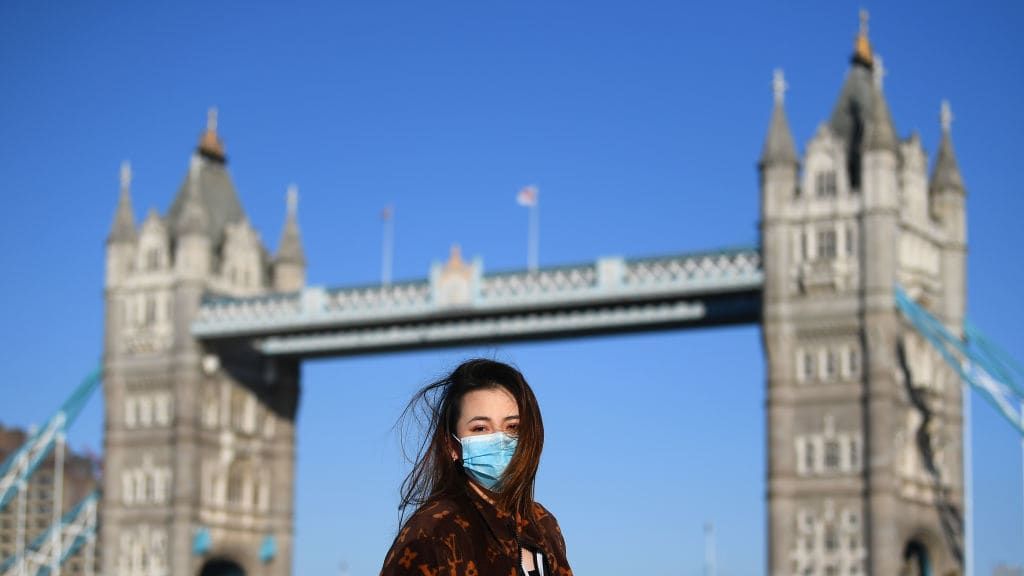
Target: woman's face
[(487, 410)]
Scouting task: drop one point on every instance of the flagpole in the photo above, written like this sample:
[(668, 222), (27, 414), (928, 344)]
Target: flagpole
[(387, 246), (534, 240)]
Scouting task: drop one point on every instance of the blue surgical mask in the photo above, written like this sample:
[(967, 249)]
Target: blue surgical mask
[(486, 456)]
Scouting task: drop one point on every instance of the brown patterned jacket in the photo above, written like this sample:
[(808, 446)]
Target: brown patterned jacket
[(465, 535)]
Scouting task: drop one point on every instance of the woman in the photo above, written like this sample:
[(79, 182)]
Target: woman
[(472, 482)]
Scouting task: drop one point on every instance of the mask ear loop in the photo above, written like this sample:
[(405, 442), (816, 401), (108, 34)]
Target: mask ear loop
[(457, 440)]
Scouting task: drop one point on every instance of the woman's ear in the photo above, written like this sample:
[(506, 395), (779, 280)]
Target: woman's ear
[(454, 449)]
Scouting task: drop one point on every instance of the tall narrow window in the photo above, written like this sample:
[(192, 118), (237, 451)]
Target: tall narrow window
[(831, 543), (809, 457), (830, 364), (850, 248), (825, 184), (854, 360), (150, 314), (827, 244), (832, 455), (808, 366), (152, 259)]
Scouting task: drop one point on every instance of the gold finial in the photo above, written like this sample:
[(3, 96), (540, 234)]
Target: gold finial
[(862, 48), (455, 257), (209, 143)]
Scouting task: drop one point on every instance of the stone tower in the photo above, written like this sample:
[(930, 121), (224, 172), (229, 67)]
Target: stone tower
[(199, 446), (864, 420)]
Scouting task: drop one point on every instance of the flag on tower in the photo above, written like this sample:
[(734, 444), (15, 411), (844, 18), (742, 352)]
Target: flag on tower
[(387, 212), (527, 196)]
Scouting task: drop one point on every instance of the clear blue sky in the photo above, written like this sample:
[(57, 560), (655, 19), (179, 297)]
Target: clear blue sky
[(641, 122)]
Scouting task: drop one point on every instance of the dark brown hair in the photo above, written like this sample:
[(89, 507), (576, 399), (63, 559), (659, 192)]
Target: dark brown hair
[(436, 407)]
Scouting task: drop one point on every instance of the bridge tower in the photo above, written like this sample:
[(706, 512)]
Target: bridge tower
[(199, 447), (864, 421)]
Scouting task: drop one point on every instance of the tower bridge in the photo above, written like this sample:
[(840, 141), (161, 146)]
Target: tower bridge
[(204, 320), (206, 329)]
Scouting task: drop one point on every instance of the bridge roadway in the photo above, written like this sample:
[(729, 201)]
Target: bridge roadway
[(460, 305)]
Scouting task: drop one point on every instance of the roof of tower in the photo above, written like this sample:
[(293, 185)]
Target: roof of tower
[(123, 228), (289, 249), (215, 190), (779, 147), (946, 174), (855, 108)]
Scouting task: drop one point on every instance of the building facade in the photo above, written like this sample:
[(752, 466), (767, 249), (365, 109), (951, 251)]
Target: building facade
[(80, 478), (865, 471), (199, 448)]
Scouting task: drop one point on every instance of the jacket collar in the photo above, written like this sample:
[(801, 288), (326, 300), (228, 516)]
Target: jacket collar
[(500, 523)]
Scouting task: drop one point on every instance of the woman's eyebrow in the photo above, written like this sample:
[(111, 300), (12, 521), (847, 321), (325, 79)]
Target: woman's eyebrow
[(512, 417), (475, 418)]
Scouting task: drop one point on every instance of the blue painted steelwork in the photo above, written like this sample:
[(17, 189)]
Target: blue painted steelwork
[(975, 360), (22, 463), (79, 525), (201, 542), (268, 549)]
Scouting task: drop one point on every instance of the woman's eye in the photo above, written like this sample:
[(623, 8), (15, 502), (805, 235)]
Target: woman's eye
[(478, 429), (512, 429)]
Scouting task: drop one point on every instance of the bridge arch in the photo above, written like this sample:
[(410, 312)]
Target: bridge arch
[(221, 566)]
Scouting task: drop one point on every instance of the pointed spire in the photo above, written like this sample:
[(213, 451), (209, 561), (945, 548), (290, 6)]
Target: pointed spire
[(778, 146), (879, 133), (946, 174), (862, 46), (210, 144), (123, 229), (290, 248), (193, 218)]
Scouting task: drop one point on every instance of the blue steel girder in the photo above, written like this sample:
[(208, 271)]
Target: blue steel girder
[(460, 305)]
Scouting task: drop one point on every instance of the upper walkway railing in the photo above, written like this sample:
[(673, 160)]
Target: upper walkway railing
[(590, 296)]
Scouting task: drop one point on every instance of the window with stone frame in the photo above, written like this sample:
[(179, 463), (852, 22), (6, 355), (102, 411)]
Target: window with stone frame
[(854, 454), (808, 367), (152, 259), (825, 184), (853, 362), (826, 244), (832, 455), (810, 458), (830, 364)]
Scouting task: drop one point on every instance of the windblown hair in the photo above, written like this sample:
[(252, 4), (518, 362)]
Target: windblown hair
[(436, 409)]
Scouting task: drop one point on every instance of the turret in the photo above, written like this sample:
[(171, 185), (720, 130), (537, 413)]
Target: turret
[(290, 261), (946, 186), (778, 172), (122, 240), (948, 205), (778, 163), (192, 255)]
